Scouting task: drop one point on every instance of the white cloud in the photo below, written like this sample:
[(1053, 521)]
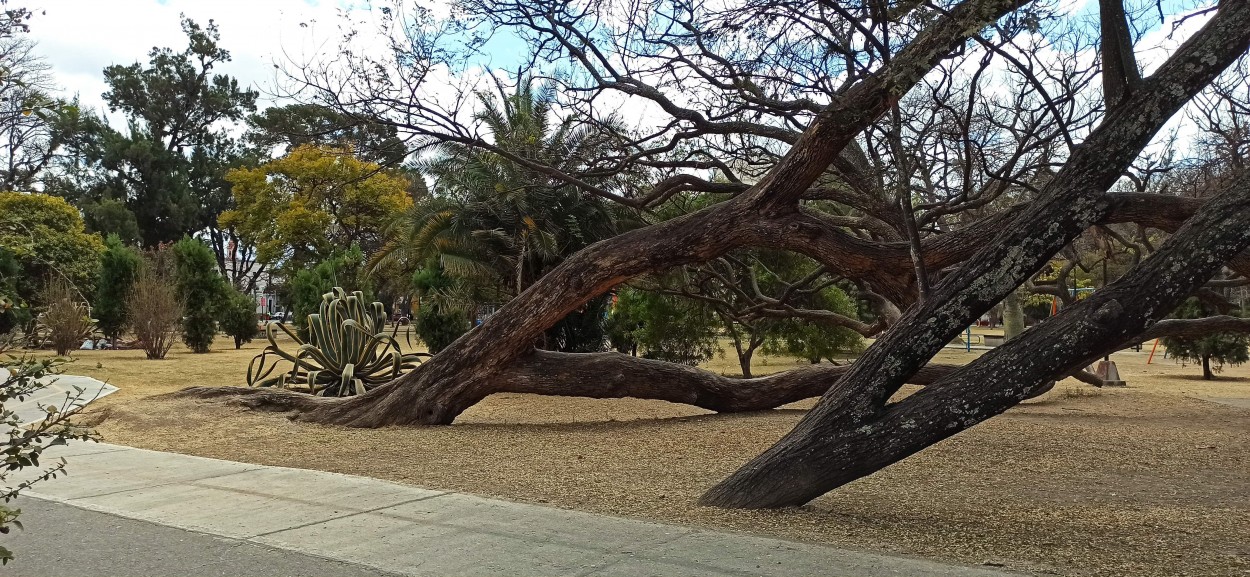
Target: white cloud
[(81, 37)]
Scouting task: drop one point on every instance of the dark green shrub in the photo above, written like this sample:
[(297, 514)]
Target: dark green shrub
[(583, 330), (305, 288), (118, 267), (438, 327), (813, 340), (666, 328), (201, 291), (237, 318), (14, 313)]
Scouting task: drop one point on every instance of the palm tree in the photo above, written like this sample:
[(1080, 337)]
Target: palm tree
[(494, 225)]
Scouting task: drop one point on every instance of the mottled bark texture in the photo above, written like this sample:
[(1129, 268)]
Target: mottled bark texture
[(849, 436), (853, 431), (764, 215)]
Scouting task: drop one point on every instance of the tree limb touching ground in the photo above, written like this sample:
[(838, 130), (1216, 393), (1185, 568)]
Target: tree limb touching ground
[(975, 261)]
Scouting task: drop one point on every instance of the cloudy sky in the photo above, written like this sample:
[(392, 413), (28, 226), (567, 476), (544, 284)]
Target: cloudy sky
[(81, 37)]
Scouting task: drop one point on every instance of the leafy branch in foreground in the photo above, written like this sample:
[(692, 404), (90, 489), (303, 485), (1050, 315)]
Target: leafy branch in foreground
[(20, 378), (347, 353)]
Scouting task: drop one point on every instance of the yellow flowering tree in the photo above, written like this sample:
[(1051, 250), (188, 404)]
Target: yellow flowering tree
[(301, 208)]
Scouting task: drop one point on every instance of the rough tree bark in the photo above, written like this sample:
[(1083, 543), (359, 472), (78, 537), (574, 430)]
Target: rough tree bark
[(1069, 204), (615, 376), (463, 374), (870, 434), (821, 454)]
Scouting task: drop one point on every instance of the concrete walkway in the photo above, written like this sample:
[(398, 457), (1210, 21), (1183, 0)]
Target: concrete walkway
[(398, 529), (57, 391), (68, 541)]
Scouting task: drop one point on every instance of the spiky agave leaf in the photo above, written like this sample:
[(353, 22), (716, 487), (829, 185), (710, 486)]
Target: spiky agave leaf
[(348, 351)]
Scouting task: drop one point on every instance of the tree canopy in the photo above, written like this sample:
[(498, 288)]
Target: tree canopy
[(47, 237), (167, 166), (299, 209)]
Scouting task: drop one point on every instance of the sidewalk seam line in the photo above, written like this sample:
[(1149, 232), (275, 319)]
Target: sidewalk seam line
[(373, 510), (188, 482)]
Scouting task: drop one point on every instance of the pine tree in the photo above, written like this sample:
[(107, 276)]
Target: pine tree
[(1223, 348)]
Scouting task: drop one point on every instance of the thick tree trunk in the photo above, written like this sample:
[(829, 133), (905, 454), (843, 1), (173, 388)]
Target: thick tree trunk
[(1065, 207), (824, 453), (614, 375), (460, 376), (853, 431), (1206, 368), (609, 376), (1013, 315)]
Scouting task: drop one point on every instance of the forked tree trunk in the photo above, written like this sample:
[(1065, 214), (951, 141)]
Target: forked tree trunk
[(848, 437), (461, 375), (744, 362), (852, 432), (812, 459)]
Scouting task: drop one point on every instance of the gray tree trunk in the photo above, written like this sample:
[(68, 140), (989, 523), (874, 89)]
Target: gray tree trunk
[(1013, 314)]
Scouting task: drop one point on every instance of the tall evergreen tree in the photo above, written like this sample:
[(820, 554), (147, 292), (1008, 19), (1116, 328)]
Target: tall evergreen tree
[(168, 165), (201, 289), (118, 267)]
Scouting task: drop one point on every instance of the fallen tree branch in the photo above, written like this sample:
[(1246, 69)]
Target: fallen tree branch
[(606, 376), (615, 375), (1194, 327)]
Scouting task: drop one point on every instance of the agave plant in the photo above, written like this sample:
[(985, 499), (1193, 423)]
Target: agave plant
[(348, 351)]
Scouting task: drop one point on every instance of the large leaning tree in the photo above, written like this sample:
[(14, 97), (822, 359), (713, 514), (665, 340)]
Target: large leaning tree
[(936, 153)]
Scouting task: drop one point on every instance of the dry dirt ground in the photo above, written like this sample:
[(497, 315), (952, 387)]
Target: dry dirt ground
[(1153, 479)]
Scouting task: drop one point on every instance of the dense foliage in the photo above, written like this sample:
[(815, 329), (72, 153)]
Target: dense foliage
[(201, 290), (438, 327), (47, 238), (165, 170), (662, 327), (14, 312), (237, 317), (1211, 351), (301, 208), (119, 265), (306, 287)]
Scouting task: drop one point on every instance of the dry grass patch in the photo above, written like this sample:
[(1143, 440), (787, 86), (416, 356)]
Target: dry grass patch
[(1148, 480)]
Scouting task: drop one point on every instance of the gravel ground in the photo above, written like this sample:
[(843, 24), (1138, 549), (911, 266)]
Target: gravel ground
[(1153, 479)]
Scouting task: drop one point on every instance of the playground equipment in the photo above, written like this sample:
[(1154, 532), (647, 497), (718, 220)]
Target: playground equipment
[(1109, 374)]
